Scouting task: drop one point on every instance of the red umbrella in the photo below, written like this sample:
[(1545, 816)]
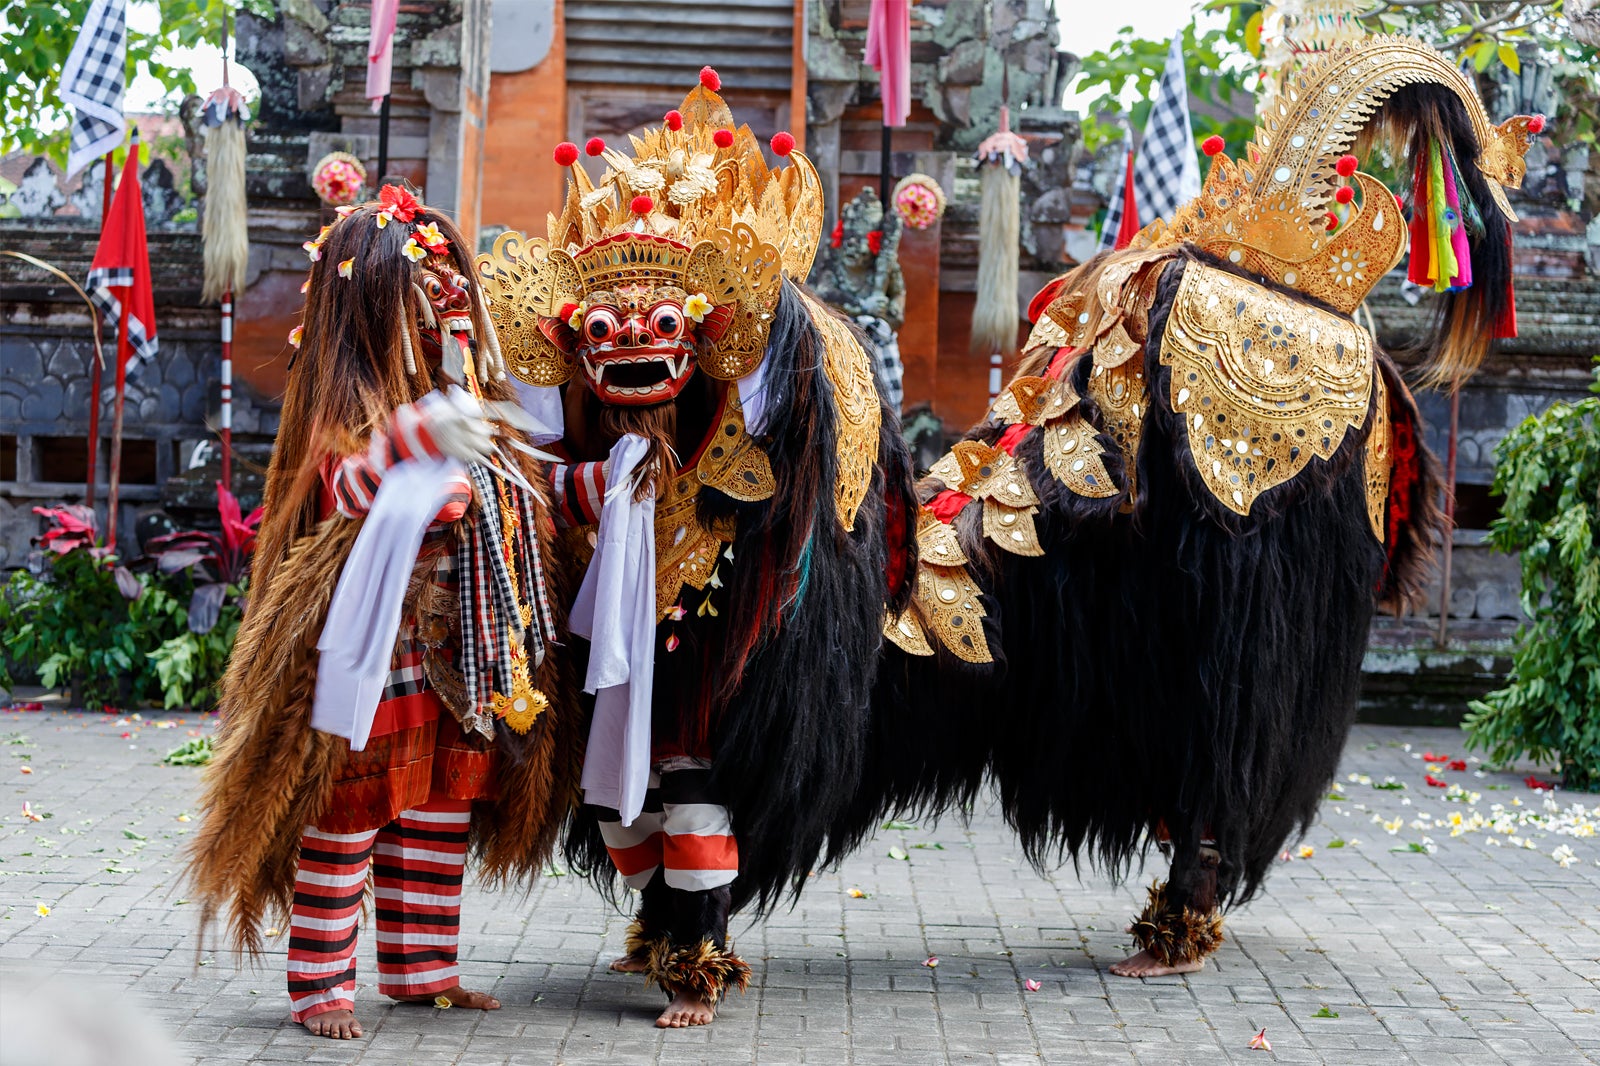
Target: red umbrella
[(120, 285)]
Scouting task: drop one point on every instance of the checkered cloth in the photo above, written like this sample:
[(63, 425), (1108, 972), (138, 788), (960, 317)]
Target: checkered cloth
[(488, 619), (886, 357), (92, 82), (1166, 173)]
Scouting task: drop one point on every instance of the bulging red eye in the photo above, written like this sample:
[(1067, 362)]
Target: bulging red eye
[(432, 287), (600, 325), (666, 322)]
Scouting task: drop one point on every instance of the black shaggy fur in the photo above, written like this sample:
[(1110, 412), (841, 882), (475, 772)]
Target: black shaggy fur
[(1179, 666), (786, 730)]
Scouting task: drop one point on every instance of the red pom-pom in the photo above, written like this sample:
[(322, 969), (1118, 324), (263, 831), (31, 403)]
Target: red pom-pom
[(567, 309), (783, 142), (1536, 124), (1332, 221), (1212, 145), (723, 138), (1344, 194), (595, 146), (673, 119), (1346, 165), (566, 154), (710, 79), (642, 205)]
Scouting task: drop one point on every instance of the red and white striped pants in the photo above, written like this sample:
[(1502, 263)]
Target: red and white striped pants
[(680, 831), (417, 862)]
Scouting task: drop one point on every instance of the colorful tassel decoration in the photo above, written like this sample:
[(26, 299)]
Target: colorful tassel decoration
[(1440, 255)]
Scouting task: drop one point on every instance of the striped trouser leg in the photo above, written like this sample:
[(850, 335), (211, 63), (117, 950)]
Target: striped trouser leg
[(698, 850), (328, 886), (416, 872), (635, 849)]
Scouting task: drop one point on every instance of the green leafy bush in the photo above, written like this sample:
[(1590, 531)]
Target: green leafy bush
[(1548, 470), (111, 636)]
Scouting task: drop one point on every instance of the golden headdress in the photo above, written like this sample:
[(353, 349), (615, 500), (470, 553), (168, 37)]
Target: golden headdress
[(693, 208)]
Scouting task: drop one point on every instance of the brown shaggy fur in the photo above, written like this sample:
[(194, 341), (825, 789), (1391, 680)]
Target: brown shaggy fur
[(272, 773), (703, 970), (1174, 936)]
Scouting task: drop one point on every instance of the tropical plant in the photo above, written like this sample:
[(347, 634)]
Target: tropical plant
[(36, 36), (216, 562), (1548, 470)]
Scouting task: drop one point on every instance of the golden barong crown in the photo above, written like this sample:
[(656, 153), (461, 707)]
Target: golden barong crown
[(1266, 213), (694, 206)]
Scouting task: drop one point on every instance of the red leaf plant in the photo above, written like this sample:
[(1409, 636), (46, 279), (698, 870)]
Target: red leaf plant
[(73, 526), (217, 560)]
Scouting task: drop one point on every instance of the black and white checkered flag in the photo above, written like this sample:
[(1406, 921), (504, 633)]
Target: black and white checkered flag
[(92, 83), (1167, 174)]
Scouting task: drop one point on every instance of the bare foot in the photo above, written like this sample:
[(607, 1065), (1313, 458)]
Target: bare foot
[(334, 1024), (686, 1010), (458, 997), (630, 964), (1145, 964)]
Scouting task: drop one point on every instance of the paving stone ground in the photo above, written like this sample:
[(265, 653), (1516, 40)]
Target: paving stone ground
[(1371, 952)]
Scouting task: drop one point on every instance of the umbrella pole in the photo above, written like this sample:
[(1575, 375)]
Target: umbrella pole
[(116, 421), (1442, 638), (227, 389), (383, 139), (95, 367)]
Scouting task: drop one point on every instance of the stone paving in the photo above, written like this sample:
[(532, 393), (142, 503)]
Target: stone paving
[(1403, 944)]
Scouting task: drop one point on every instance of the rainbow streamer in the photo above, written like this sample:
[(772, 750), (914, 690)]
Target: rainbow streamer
[(1440, 255)]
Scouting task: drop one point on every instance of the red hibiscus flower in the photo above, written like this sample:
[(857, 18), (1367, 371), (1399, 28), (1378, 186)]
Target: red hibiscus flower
[(1538, 785), (1434, 782), (1458, 765), (399, 203)]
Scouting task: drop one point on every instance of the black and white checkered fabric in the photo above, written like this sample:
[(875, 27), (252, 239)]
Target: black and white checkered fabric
[(1119, 181), (1166, 173), (886, 357), (92, 82)]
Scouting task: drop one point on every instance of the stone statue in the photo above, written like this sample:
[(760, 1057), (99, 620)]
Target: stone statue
[(859, 273)]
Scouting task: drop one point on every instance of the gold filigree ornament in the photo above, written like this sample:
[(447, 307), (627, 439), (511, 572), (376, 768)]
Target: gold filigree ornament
[(945, 601), (855, 399), (686, 550), (1266, 213), (1379, 457), (733, 463), (1263, 382), (1033, 400), (1119, 390), (523, 706), (1072, 454), (996, 478), (693, 206)]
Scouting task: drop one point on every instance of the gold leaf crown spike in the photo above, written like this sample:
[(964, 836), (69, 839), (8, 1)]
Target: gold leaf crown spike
[(693, 206), (1266, 212)]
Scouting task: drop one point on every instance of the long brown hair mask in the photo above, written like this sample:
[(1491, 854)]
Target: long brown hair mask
[(349, 372)]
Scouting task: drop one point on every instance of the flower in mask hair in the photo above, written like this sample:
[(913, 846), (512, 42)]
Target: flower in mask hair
[(399, 203), (414, 251), (696, 307), (295, 334), (430, 238), (347, 268)]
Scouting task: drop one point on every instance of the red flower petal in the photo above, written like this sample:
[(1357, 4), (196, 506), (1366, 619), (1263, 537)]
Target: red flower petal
[(1434, 782)]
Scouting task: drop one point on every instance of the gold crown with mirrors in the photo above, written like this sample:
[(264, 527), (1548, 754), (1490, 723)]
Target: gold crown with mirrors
[(673, 260)]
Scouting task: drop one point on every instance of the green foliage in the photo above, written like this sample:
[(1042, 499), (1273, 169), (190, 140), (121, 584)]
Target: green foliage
[(1548, 470), (196, 752), (72, 627), (1221, 73), (36, 36)]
